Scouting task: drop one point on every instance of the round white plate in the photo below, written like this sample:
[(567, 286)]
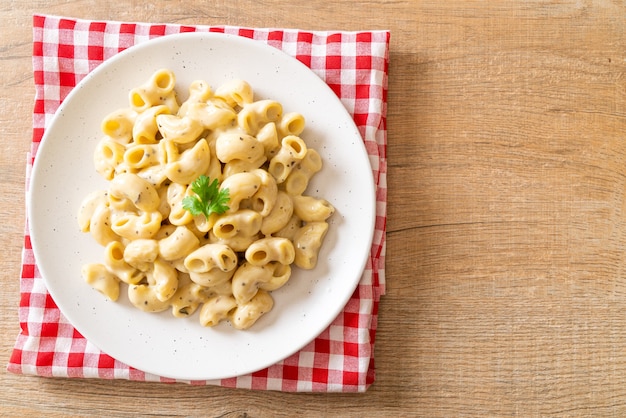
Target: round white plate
[(64, 174)]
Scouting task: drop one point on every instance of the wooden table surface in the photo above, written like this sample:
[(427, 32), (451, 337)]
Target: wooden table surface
[(506, 236)]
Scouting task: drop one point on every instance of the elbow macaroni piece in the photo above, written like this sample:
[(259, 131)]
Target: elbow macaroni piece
[(181, 130), (88, 207), (108, 157), (235, 93), (116, 263), (311, 209), (241, 186), (211, 256), (216, 309), (279, 216), (238, 147), (307, 243), (267, 250), (178, 244), (292, 151), (248, 279), (211, 115), (144, 297), (139, 191), (264, 199), (268, 137), (101, 279), (158, 90), (136, 226), (142, 156), (141, 253), (100, 225), (298, 180), (177, 214), (118, 125), (199, 91), (256, 114), (243, 223), (224, 265), (280, 275), (190, 164), (188, 297), (164, 279), (291, 123), (245, 315), (145, 129)]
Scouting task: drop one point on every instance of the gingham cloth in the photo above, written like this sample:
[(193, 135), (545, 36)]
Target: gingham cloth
[(353, 64)]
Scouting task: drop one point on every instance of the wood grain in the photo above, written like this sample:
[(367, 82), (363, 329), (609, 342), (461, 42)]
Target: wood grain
[(506, 232)]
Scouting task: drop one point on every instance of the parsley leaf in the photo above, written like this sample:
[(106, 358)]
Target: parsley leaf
[(208, 199)]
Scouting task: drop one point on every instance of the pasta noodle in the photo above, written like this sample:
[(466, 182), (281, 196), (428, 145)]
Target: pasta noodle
[(223, 264)]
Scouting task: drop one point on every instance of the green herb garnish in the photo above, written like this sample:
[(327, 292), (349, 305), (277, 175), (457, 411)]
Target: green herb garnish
[(209, 198)]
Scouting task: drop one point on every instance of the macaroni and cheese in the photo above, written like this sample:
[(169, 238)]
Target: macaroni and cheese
[(224, 265)]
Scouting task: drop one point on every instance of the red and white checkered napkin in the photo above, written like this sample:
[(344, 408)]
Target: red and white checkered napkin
[(354, 64)]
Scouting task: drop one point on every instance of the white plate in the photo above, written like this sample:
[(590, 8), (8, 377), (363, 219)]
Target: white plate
[(159, 343)]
